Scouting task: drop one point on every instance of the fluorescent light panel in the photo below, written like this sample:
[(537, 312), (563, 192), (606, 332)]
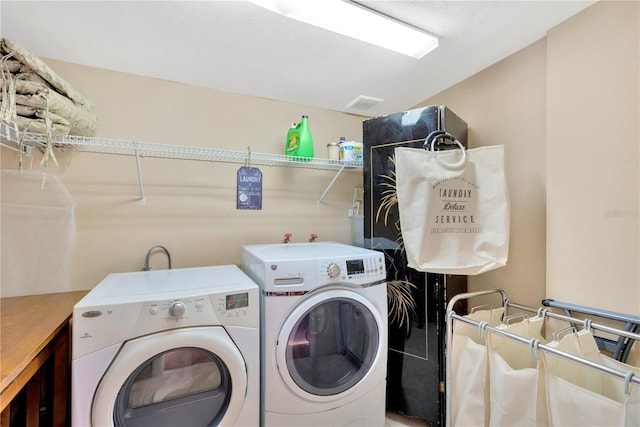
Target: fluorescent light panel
[(356, 22)]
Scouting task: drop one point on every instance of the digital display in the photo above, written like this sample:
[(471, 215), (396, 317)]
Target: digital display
[(355, 266), (237, 301)]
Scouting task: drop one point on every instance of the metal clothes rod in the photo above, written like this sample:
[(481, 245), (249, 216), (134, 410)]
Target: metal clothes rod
[(585, 323), (605, 314), (536, 344), (620, 348), (468, 295)]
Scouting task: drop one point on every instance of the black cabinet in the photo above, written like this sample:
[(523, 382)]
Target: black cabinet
[(417, 301)]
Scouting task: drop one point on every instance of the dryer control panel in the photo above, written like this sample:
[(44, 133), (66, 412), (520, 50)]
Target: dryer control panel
[(369, 269), (298, 276)]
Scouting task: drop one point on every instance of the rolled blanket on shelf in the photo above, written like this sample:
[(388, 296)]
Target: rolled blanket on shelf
[(33, 113), (14, 66), (32, 91), (34, 94), (39, 125)]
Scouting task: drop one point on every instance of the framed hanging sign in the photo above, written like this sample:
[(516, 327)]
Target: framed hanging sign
[(249, 188)]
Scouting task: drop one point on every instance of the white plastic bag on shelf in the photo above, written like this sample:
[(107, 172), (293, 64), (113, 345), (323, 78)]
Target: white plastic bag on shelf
[(469, 392), (38, 233), (583, 396)]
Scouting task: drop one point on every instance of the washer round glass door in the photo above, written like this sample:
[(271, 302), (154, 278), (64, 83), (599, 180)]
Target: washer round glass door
[(328, 344), (193, 376)]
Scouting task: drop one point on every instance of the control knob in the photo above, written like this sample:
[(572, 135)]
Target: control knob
[(177, 309), (333, 270)]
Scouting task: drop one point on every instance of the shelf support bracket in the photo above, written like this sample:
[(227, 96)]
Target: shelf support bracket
[(319, 202), (143, 200)]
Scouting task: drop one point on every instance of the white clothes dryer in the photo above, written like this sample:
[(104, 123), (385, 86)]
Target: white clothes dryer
[(167, 348), (324, 333)]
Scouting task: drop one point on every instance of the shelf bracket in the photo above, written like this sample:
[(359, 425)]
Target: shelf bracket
[(143, 201), (319, 202)]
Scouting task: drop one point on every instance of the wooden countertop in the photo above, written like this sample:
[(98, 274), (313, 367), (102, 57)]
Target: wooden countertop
[(27, 325)]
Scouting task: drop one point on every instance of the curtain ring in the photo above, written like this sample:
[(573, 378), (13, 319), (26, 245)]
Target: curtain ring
[(481, 328), (534, 350), (542, 312), (627, 381)]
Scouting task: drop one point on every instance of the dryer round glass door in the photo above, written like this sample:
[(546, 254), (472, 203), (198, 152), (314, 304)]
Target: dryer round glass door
[(331, 341), (193, 376)]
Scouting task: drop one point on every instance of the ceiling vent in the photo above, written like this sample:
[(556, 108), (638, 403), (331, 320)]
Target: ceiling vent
[(364, 102)]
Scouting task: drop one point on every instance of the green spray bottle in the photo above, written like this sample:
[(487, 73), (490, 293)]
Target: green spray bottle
[(299, 140)]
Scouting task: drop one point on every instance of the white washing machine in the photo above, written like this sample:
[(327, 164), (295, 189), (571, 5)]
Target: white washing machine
[(168, 348), (324, 333)]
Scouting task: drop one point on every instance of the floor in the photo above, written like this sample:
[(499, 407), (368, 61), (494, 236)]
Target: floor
[(394, 419)]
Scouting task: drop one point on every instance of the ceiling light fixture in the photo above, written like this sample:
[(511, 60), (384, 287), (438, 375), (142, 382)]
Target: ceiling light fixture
[(357, 22)]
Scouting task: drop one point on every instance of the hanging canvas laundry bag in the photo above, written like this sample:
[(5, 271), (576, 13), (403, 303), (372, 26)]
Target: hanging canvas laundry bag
[(454, 208)]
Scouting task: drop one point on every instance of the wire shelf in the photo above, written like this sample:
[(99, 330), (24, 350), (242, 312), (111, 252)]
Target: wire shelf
[(8, 133)]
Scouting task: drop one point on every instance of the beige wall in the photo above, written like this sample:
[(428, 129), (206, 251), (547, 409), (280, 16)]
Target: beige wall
[(505, 104), (555, 105), (191, 206), (593, 139), (566, 109)]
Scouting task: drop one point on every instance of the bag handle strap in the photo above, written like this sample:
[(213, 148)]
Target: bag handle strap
[(430, 143)]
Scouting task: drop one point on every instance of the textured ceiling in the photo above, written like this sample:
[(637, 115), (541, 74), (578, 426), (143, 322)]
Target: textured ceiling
[(236, 46)]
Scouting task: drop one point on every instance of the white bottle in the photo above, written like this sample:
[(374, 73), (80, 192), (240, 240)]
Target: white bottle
[(341, 145)]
